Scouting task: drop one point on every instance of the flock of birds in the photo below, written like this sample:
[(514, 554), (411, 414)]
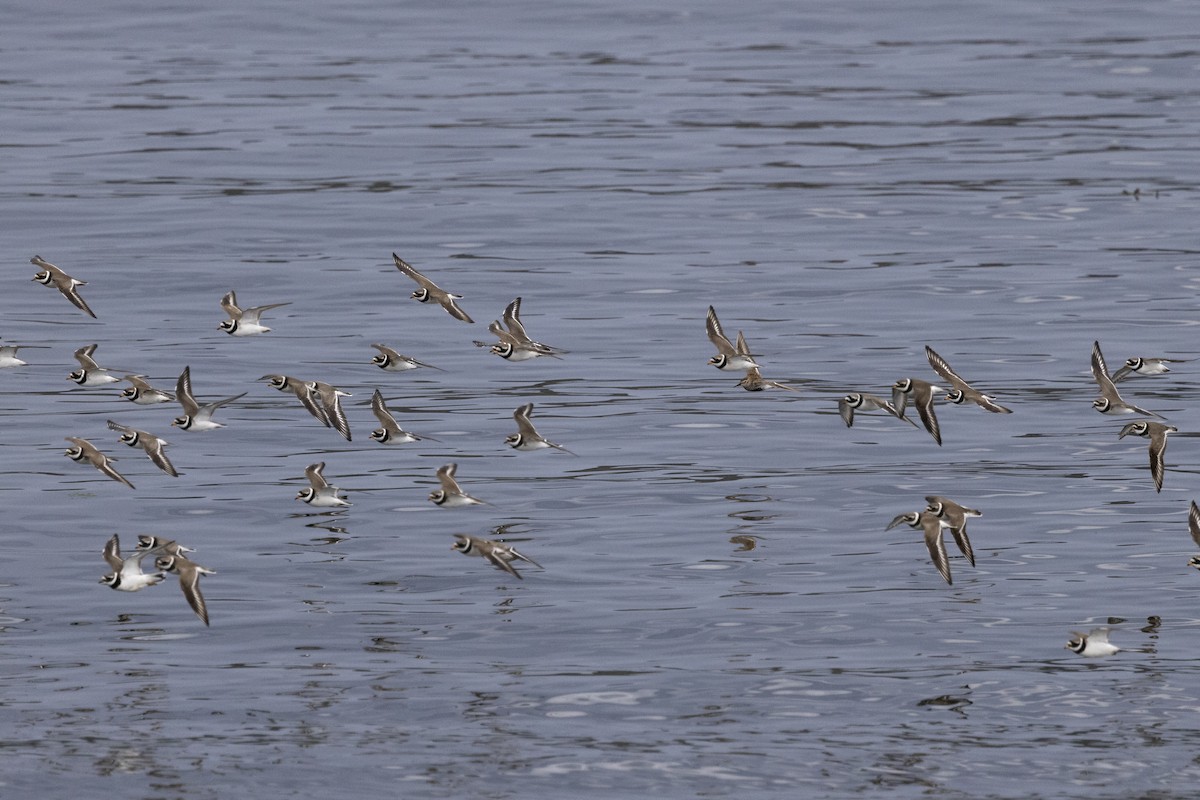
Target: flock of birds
[(942, 513), (323, 401)]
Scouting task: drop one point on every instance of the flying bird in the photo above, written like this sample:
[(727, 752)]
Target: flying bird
[(429, 291), (51, 275)]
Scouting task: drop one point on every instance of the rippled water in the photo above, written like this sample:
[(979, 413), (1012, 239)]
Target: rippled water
[(721, 612)]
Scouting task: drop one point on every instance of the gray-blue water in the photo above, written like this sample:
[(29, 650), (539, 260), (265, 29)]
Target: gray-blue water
[(721, 612)]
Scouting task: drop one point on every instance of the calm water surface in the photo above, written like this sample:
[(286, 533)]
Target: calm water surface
[(721, 612)]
